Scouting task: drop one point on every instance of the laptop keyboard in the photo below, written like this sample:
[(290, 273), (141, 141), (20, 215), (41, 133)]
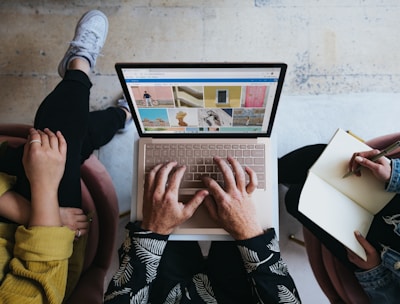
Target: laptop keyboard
[(198, 159)]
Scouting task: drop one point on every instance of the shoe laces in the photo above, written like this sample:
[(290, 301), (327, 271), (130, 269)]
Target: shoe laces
[(89, 42)]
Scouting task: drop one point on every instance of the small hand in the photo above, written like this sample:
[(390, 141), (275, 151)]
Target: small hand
[(44, 162), (380, 168), (162, 212), (75, 219), (44, 158), (373, 258), (233, 207)]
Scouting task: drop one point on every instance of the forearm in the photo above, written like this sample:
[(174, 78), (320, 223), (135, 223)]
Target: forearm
[(267, 272), (44, 207), (7, 241), (140, 256), (15, 208)]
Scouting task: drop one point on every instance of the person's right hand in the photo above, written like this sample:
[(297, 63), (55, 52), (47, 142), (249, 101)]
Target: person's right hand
[(232, 206), (162, 212), (373, 258), (380, 168)]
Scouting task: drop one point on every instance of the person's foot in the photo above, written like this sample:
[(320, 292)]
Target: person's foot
[(123, 104), (90, 35)]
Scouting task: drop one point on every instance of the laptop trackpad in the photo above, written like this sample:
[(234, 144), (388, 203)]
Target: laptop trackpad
[(201, 217)]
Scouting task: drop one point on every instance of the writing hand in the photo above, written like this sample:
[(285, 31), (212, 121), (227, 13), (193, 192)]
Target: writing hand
[(232, 206), (373, 258), (380, 168), (162, 212)]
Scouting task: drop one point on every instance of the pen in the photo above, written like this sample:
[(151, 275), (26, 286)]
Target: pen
[(384, 152)]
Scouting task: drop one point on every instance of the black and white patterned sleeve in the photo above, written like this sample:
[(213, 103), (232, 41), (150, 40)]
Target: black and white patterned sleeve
[(139, 258), (267, 272)]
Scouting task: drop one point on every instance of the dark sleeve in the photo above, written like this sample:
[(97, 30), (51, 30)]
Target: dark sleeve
[(267, 272), (139, 256)]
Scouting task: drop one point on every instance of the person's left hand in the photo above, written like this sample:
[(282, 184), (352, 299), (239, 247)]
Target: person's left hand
[(75, 219), (162, 212), (44, 159), (373, 258)]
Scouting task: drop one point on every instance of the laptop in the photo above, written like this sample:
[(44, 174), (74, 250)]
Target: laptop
[(190, 112)]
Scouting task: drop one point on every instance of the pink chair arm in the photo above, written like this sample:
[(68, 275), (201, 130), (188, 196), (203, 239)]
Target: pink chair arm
[(337, 282), (90, 288)]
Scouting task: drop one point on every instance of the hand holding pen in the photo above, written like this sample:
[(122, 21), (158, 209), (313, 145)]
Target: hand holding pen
[(373, 160)]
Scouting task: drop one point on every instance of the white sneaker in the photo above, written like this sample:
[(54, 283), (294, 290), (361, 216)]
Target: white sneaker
[(90, 35)]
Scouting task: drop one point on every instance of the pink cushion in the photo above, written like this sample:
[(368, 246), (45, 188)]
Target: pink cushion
[(106, 212), (314, 253), (337, 282), (93, 236)]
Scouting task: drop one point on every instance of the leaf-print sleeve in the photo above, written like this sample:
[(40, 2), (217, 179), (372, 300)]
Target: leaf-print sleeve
[(267, 273), (139, 256)]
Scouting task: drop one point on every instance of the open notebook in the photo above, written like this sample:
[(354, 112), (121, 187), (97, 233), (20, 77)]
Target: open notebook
[(190, 112), (340, 205)]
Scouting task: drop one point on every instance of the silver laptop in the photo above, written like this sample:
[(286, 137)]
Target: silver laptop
[(190, 112)]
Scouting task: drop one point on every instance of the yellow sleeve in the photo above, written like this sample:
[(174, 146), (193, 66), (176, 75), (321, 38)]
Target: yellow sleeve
[(7, 240), (6, 182), (38, 270)]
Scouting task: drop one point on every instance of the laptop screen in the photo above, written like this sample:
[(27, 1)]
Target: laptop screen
[(202, 99)]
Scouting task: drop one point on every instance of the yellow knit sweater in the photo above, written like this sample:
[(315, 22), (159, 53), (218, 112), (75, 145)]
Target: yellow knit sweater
[(33, 261), (36, 272)]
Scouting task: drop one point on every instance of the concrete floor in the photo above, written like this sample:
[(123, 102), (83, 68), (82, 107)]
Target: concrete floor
[(33, 41)]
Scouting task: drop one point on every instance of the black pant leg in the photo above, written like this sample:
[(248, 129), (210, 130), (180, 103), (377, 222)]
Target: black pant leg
[(66, 109), (293, 167), (102, 127)]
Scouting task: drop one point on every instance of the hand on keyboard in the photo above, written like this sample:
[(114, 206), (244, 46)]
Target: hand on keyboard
[(198, 158), (232, 206), (162, 211)]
